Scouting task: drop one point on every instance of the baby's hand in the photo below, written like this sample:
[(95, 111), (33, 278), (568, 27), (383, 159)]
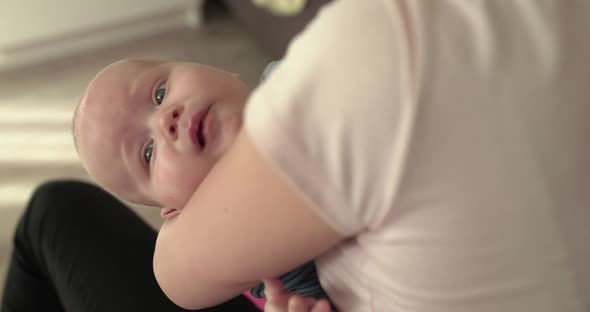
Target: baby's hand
[(278, 300)]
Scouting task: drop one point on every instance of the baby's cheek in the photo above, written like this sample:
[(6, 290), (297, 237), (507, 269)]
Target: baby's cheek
[(177, 195), (177, 175), (170, 187)]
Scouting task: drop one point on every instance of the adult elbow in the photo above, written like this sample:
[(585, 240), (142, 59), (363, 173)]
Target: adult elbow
[(181, 288), (169, 285)]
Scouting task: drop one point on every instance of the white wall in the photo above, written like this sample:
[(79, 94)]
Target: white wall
[(37, 30)]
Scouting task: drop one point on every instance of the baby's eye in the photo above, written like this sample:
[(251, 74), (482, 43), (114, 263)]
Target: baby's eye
[(147, 153), (160, 94)]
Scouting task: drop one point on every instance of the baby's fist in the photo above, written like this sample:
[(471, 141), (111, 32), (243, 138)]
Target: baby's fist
[(278, 300)]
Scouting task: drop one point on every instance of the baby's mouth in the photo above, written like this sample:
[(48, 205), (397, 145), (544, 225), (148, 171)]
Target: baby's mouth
[(200, 136), (198, 131)]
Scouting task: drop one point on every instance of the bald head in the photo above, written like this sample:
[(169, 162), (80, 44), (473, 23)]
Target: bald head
[(103, 118), (115, 68)]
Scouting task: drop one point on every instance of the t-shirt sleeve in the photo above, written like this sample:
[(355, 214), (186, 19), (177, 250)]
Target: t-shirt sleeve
[(334, 118)]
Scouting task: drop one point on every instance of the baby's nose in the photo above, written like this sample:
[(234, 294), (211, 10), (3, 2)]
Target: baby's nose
[(168, 121)]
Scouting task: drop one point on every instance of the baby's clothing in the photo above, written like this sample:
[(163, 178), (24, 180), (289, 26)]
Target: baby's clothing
[(450, 141), (303, 281)]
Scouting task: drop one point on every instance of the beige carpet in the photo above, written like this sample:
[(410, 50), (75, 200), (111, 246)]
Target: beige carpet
[(36, 106)]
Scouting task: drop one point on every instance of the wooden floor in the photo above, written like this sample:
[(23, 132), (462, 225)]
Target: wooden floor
[(36, 106)]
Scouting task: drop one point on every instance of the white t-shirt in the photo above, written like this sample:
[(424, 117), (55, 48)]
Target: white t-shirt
[(451, 141)]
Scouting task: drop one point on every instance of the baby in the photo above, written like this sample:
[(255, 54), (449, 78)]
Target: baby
[(150, 131)]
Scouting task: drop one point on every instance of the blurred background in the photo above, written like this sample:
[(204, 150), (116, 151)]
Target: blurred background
[(49, 51)]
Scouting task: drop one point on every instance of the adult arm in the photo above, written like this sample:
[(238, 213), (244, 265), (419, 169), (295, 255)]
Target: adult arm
[(205, 255)]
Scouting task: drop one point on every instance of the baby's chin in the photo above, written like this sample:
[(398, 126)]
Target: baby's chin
[(226, 139)]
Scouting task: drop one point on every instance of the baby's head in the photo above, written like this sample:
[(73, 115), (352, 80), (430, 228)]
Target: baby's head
[(150, 131)]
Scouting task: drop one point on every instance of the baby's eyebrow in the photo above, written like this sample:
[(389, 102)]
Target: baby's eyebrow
[(141, 87)]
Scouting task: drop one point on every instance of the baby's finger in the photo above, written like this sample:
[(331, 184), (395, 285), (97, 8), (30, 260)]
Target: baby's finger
[(300, 304), (273, 289), (321, 306)]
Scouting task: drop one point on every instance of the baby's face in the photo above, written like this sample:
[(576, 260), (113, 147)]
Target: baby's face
[(150, 131)]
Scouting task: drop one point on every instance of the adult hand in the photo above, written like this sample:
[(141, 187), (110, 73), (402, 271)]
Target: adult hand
[(278, 300)]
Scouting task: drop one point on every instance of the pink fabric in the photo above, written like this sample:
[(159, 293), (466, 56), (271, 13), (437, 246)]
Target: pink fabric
[(257, 301)]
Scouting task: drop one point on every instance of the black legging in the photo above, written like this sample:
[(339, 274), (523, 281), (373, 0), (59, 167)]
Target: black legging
[(76, 248)]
